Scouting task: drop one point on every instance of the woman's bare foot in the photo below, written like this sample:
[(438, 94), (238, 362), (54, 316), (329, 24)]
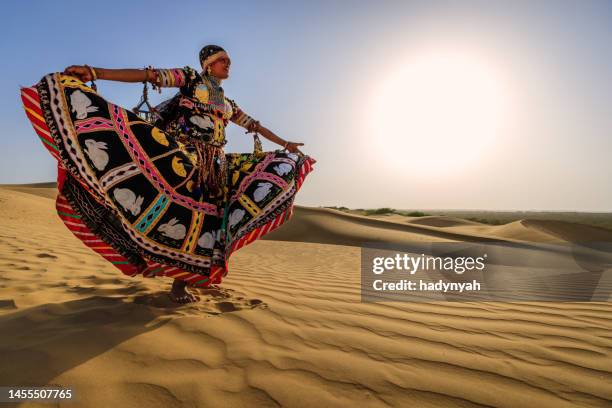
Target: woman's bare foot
[(178, 294)]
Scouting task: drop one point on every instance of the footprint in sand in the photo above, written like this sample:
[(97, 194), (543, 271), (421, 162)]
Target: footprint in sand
[(236, 304), (225, 307), (213, 301), (226, 300), (45, 255), (212, 293)]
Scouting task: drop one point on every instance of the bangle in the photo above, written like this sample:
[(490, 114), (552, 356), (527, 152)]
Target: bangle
[(93, 77), (286, 144), (155, 81), (92, 71)]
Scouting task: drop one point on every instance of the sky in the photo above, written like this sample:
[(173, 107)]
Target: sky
[(495, 105)]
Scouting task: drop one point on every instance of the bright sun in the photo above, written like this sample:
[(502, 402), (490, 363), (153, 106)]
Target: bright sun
[(438, 112)]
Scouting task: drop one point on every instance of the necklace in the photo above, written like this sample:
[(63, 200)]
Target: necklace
[(215, 92)]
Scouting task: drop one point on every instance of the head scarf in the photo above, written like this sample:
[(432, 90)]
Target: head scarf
[(210, 54)]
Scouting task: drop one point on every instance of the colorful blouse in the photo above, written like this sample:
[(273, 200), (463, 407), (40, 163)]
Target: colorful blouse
[(199, 111)]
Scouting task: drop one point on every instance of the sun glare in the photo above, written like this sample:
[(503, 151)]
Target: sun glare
[(438, 112)]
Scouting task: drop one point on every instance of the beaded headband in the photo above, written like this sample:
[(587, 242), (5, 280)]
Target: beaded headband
[(210, 54)]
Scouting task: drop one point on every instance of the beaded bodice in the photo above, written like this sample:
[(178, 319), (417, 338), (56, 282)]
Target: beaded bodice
[(198, 112)]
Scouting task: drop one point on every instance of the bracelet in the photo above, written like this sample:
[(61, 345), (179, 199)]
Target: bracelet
[(93, 77), (286, 144), (155, 82), (92, 71)]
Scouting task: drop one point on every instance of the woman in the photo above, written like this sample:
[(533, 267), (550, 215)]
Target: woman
[(163, 200)]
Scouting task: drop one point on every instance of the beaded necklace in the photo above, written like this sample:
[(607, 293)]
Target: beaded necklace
[(215, 92)]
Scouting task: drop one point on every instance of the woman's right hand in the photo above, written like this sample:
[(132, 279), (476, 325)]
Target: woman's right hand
[(79, 71)]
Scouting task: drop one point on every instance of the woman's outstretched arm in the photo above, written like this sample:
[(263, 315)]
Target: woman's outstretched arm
[(240, 118), (86, 73), (271, 136)]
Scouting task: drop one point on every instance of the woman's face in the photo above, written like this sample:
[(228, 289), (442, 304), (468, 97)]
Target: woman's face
[(220, 68)]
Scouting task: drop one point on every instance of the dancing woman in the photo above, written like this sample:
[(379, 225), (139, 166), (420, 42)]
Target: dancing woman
[(163, 199)]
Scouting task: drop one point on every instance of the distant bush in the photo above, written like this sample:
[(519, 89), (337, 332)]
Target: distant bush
[(338, 208), (380, 211), (415, 214)]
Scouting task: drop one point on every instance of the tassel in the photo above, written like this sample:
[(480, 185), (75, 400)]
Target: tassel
[(214, 178)]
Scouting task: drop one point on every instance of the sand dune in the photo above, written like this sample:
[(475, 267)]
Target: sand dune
[(328, 226), (441, 221), (569, 231), (516, 230), (286, 328), (45, 184), (48, 190)]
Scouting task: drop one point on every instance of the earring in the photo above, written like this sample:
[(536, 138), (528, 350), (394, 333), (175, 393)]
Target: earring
[(208, 70)]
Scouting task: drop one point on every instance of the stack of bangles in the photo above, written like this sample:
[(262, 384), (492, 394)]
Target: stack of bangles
[(163, 76)]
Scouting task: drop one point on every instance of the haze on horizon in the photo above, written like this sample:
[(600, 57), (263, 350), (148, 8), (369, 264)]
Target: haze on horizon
[(411, 105)]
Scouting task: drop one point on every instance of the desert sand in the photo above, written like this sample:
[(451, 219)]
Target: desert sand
[(286, 327)]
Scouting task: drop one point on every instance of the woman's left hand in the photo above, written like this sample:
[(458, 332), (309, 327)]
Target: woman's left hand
[(293, 147)]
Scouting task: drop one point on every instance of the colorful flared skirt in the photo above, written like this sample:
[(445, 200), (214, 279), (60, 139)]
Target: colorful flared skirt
[(126, 188)]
